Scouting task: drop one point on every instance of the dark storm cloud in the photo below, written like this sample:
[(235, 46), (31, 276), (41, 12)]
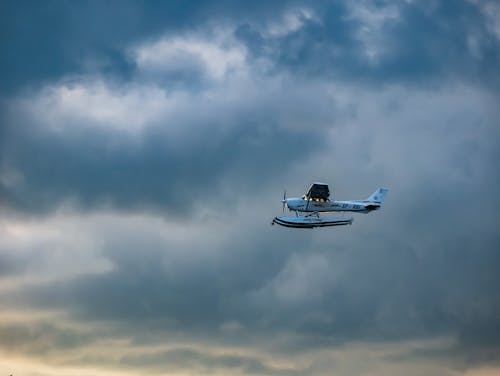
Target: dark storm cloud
[(42, 41), (259, 284), (168, 286), (433, 39), (392, 291), (427, 41), (98, 167), (423, 267), (309, 50)]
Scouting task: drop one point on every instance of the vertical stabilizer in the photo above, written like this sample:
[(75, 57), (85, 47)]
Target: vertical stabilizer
[(378, 196)]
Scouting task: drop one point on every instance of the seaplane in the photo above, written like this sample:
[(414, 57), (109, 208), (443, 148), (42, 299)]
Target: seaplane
[(317, 200)]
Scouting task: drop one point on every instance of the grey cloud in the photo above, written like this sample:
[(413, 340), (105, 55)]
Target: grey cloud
[(15, 262), (40, 339), (99, 168), (428, 42), (9, 264), (41, 42), (394, 291), (84, 167), (423, 267), (181, 359), (431, 40), (168, 286)]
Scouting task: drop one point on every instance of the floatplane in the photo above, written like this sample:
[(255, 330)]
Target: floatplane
[(317, 200)]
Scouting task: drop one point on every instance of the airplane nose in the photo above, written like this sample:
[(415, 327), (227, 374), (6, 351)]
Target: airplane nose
[(285, 204), (284, 201)]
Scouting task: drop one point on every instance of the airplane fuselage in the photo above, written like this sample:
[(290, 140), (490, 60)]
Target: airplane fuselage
[(305, 205)]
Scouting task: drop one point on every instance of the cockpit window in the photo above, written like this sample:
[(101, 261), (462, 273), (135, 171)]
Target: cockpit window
[(315, 199)]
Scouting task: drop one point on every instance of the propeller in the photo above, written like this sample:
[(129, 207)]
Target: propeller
[(284, 200)]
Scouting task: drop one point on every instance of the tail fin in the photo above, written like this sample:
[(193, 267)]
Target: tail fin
[(378, 195)]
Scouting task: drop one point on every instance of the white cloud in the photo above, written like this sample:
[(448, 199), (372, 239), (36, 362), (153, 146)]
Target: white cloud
[(93, 102), (52, 249), (218, 54), (491, 10), (373, 19), (96, 102), (290, 21)]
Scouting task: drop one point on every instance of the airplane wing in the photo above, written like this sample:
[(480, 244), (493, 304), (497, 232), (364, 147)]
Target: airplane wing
[(318, 190)]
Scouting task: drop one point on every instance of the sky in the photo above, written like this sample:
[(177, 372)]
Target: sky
[(144, 150)]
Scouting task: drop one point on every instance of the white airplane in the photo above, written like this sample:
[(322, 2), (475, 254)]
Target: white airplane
[(317, 199)]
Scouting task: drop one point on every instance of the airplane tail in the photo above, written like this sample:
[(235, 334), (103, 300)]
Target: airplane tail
[(378, 196)]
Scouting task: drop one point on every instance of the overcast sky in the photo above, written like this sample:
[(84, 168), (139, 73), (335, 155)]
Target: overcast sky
[(144, 150)]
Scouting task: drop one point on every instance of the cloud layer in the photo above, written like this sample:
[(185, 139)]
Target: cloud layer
[(140, 167)]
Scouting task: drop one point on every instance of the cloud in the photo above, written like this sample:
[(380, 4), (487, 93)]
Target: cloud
[(60, 38), (312, 290), (378, 43), (180, 359), (137, 186), (40, 339), (218, 57), (95, 142)]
